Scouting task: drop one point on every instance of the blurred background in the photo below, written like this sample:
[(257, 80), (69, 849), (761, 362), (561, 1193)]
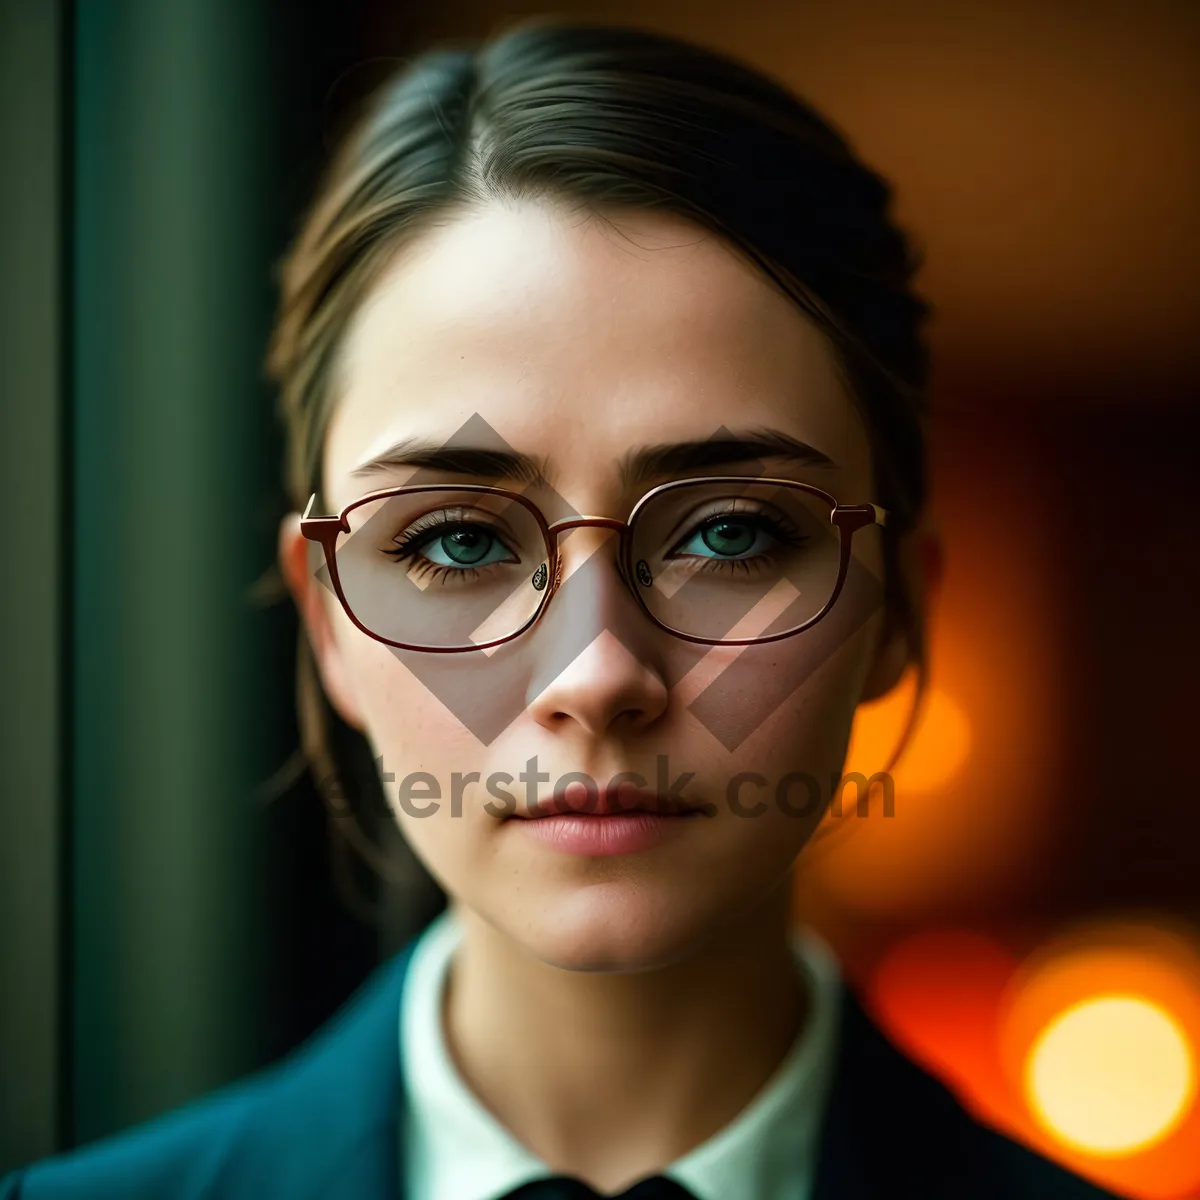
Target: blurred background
[(1027, 925)]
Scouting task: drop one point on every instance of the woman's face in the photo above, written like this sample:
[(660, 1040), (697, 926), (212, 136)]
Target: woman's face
[(578, 342)]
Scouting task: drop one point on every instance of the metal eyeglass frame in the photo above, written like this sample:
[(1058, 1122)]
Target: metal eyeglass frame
[(847, 518)]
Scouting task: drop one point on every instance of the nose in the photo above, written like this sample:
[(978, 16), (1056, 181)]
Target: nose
[(597, 666)]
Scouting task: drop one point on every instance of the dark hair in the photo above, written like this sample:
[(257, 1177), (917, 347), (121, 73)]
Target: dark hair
[(608, 119)]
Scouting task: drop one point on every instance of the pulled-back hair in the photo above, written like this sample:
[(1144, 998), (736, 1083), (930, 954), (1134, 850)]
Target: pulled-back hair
[(605, 119)]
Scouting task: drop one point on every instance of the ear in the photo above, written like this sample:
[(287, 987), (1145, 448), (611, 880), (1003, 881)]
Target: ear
[(299, 561), (922, 563)]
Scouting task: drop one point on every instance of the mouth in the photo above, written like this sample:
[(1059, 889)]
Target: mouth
[(601, 824)]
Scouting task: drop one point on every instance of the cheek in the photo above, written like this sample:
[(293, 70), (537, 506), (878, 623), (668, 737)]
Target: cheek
[(403, 721), (772, 789), (412, 733), (783, 706)]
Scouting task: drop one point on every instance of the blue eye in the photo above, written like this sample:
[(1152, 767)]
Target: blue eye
[(465, 546), (729, 538), (449, 548)]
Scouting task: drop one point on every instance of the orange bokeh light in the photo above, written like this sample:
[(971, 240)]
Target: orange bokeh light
[(1111, 1075), (1098, 1035)]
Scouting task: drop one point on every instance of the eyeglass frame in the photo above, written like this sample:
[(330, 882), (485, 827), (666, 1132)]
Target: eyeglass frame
[(847, 518)]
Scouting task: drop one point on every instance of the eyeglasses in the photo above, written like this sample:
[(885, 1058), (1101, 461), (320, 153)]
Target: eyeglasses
[(447, 569)]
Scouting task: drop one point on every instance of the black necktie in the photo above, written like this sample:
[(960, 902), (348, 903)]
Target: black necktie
[(565, 1187)]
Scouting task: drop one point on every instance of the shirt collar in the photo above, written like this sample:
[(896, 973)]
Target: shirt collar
[(455, 1149)]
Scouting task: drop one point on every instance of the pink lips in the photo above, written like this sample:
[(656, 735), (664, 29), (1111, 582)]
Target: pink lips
[(574, 823)]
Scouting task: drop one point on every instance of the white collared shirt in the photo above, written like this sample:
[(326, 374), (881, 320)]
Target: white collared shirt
[(453, 1148)]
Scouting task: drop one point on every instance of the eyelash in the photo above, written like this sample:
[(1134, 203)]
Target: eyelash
[(427, 529)]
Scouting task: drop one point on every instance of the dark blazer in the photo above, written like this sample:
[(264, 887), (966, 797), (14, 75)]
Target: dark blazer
[(324, 1122)]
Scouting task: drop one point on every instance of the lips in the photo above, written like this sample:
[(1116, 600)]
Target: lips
[(608, 802)]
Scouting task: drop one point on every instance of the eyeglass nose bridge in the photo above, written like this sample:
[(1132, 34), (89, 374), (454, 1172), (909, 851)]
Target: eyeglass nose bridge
[(622, 528), (581, 522)]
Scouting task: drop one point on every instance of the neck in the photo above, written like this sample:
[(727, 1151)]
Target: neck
[(613, 1076)]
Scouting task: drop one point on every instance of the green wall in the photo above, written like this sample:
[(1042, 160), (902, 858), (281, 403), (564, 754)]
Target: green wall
[(168, 320), (31, 615)]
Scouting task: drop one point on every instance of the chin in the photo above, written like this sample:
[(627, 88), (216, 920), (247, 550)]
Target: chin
[(614, 928)]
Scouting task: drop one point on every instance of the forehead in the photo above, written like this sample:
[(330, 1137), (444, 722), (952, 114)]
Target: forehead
[(576, 337)]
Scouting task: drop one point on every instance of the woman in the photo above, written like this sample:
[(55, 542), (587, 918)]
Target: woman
[(605, 389)]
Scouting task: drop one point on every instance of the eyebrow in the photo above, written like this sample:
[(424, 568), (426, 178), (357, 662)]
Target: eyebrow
[(639, 465)]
